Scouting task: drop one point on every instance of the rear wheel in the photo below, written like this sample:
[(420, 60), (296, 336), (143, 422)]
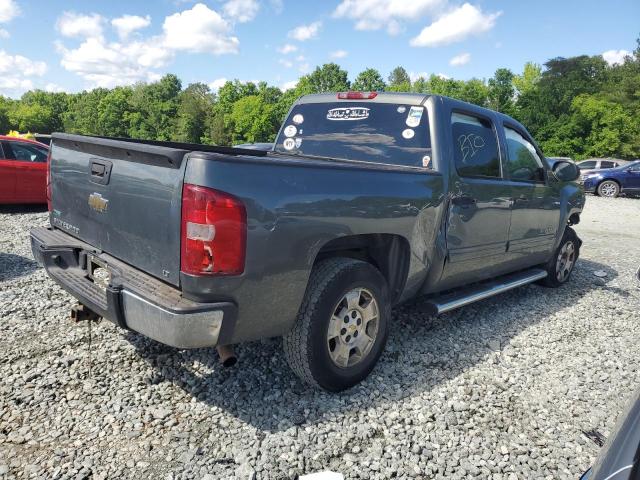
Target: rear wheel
[(560, 266), (341, 328), (609, 188)]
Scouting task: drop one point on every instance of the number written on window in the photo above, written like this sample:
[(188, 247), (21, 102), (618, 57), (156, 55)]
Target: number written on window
[(475, 146)]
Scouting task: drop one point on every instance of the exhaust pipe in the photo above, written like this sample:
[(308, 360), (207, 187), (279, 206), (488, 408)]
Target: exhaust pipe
[(227, 355)]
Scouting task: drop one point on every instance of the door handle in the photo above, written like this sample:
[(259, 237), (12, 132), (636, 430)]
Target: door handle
[(463, 201)]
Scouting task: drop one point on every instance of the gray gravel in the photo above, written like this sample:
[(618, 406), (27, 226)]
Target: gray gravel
[(503, 389)]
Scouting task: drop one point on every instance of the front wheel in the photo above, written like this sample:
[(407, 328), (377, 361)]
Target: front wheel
[(609, 188), (341, 328), (560, 266)]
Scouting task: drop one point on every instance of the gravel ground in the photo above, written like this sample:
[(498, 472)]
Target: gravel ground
[(502, 389)]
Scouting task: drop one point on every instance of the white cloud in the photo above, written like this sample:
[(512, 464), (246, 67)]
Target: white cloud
[(377, 14), (127, 24), (306, 32), (285, 63), (455, 26), (460, 60), (53, 87), (615, 57), (288, 85), (217, 84), (339, 54), (199, 30), (287, 48), (14, 70), (72, 24), (108, 64), (300, 58), (241, 10), (111, 64), (8, 10), (4, 33)]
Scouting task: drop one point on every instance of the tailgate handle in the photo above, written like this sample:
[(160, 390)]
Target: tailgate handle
[(100, 171), (97, 169)]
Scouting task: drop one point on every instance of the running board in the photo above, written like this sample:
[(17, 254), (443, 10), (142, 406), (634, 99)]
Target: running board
[(460, 298)]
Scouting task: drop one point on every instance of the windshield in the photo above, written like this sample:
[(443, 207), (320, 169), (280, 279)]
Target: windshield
[(372, 132)]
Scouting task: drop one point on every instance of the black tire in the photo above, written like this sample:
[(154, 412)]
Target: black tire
[(609, 189), (306, 346), (554, 279)]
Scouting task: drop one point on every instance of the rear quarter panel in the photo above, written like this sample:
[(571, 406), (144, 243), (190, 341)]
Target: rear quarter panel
[(296, 207)]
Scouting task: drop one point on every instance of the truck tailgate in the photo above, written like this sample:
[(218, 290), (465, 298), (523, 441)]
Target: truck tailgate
[(122, 197)]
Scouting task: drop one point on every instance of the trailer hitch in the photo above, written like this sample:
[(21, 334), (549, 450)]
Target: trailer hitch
[(80, 313)]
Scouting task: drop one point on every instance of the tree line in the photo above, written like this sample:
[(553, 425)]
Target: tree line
[(578, 107)]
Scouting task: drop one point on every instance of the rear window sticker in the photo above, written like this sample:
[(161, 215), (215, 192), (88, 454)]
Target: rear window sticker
[(426, 161), (414, 117), (298, 119), (348, 113), (289, 144), (402, 109), (408, 133), (290, 131), (298, 142)]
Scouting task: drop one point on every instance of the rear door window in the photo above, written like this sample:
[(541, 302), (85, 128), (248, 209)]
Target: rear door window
[(475, 146), (586, 165), (523, 162), (606, 164), (365, 131)]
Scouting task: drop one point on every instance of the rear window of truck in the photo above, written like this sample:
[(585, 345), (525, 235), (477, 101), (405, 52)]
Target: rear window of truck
[(373, 132)]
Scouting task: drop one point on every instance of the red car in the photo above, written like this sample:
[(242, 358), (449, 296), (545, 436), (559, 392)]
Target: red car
[(23, 170)]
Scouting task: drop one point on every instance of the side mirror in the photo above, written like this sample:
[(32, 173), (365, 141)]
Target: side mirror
[(566, 171)]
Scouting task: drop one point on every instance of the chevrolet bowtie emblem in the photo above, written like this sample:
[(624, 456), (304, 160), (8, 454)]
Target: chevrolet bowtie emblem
[(97, 203)]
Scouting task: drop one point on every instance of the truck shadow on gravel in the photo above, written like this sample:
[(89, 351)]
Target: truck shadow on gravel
[(14, 266), (22, 209), (422, 352)]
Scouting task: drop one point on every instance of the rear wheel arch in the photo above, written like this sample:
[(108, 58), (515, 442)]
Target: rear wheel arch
[(389, 253)]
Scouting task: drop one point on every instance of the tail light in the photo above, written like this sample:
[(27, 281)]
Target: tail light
[(214, 232), (49, 180), (357, 95)]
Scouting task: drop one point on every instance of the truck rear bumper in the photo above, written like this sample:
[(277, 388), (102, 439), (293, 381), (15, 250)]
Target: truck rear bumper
[(131, 298)]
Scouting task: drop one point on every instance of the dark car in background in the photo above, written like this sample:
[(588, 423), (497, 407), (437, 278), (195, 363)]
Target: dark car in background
[(619, 458), (612, 182)]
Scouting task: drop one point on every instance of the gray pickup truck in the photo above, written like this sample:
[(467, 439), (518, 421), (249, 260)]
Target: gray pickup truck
[(366, 200)]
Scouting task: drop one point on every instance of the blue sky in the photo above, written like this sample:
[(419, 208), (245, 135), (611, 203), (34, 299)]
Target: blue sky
[(73, 45)]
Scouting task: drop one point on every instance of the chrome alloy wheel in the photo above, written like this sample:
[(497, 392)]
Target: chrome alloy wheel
[(608, 189), (353, 328), (565, 262)]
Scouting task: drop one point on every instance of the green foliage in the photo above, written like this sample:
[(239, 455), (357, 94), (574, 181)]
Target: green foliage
[(194, 104), (502, 91), (399, 80), (529, 79), (154, 109), (328, 78), (577, 107), (112, 109), (369, 80)]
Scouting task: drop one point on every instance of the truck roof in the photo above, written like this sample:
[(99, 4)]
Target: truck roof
[(381, 97)]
